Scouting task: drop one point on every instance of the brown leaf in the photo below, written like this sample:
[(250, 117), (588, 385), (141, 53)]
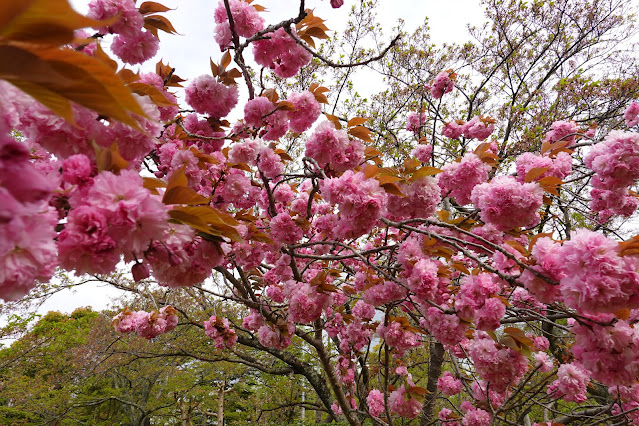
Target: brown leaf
[(152, 92), (550, 184), (152, 7), (534, 173), (371, 170), (73, 75), (392, 188), (356, 121), (360, 132), (333, 119), (183, 195), (50, 22), (159, 22), (424, 171), (226, 60)]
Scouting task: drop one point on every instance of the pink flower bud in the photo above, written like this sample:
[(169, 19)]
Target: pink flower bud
[(140, 271)]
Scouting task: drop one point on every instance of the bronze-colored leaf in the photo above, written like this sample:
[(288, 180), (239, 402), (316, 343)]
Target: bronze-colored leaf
[(159, 22), (356, 121), (152, 7), (534, 173), (50, 22)]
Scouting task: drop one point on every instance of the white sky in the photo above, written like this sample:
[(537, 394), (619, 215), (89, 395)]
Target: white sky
[(190, 51)]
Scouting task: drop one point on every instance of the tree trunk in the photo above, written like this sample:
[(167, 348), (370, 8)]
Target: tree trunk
[(434, 371), (220, 405)]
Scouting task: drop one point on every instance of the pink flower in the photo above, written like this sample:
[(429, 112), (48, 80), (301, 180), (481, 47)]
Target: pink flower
[(220, 331), (508, 204), (571, 384), (280, 53), (361, 202), (631, 115), (363, 310), (559, 167), (423, 152), (261, 112), (596, 278), (130, 22), (447, 328), (76, 169), (207, 96), (458, 179), (479, 128), (403, 404), (448, 384), (246, 21), (420, 201), (306, 303), (415, 121), (375, 401), (135, 48), (443, 83), (306, 113), (454, 129)]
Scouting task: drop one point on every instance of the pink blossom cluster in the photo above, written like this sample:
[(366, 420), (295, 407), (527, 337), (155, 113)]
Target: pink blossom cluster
[(332, 147), (446, 328), (307, 111), (562, 131), (448, 417), (458, 179), (254, 153), (571, 384), (246, 22), (147, 324), (448, 384), (363, 310), (475, 416), (361, 202), (415, 121), (279, 52), (549, 263), (397, 336), (631, 115), (384, 292), (596, 278), (628, 396), (508, 204), (498, 365), (27, 246), (180, 259), (420, 200), (261, 112), (375, 402), (454, 129), (609, 353), (424, 281), (402, 403), (443, 83), (133, 44), (616, 164), (278, 337), (474, 300), (479, 128), (207, 96), (115, 215), (423, 152), (558, 167), (306, 302), (220, 331)]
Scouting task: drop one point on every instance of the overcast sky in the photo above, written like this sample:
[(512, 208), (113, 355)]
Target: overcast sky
[(190, 52)]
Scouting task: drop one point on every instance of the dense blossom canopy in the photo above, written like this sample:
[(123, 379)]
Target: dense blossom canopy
[(461, 250)]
